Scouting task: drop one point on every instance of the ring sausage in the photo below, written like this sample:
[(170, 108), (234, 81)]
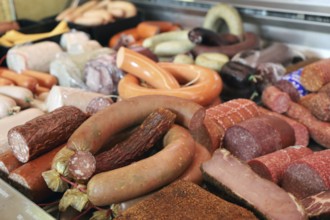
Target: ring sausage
[(145, 68), (98, 129), (145, 175), (206, 88)]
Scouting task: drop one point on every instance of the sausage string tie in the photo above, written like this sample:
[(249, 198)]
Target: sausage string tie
[(73, 184)]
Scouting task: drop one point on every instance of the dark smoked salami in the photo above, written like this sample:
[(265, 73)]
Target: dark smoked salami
[(258, 136), (45, 132), (308, 175), (271, 166)]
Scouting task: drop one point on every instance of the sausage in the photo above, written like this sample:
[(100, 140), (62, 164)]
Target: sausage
[(14, 120), (45, 132), (287, 87), (315, 75), (213, 61), (130, 112), (97, 104), (20, 80), (131, 33), (43, 79), (230, 113), (301, 64), (272, 166), (308, 175), (8, 163), (145, 175), (22, 96), (150, 28), (205, 86), (275, 99), (301, 132), (6, 82), (146, 69), (318, 103), (208, 37), (258, 136), (28, 179), (193, 172), (237, 75), (142, 140), (209, 134), (229, 14), (319, 131), (250, 41), (295, 79)]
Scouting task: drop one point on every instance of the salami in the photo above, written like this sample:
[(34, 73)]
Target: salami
[(288, 87), (318, 130), (44, 133), (308, 175), (315, 75), (258, 136), (301, 132), (319, 105), (275, 99), (230, 113), (271, 166)]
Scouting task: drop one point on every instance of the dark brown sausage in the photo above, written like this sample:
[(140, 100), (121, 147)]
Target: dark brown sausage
[(251, 41), (271, 166), (287, 87), (45, 132), (308, 175), (258, 136)]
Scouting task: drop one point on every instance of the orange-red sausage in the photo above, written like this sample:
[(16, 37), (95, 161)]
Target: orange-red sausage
[(145, 68), (6, 82), (145, 175), (44, 79), (115, 38), (19, 79), (206, 87), (150, 28)]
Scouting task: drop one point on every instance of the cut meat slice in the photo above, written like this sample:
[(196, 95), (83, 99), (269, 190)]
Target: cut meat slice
[(233, 176)]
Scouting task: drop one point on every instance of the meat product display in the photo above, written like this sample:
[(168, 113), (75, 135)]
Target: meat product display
[(185, 200), (318, 205), (45, 132), (272, 166), (267, 199), (230, 113), (258, 136), (308, 175)]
